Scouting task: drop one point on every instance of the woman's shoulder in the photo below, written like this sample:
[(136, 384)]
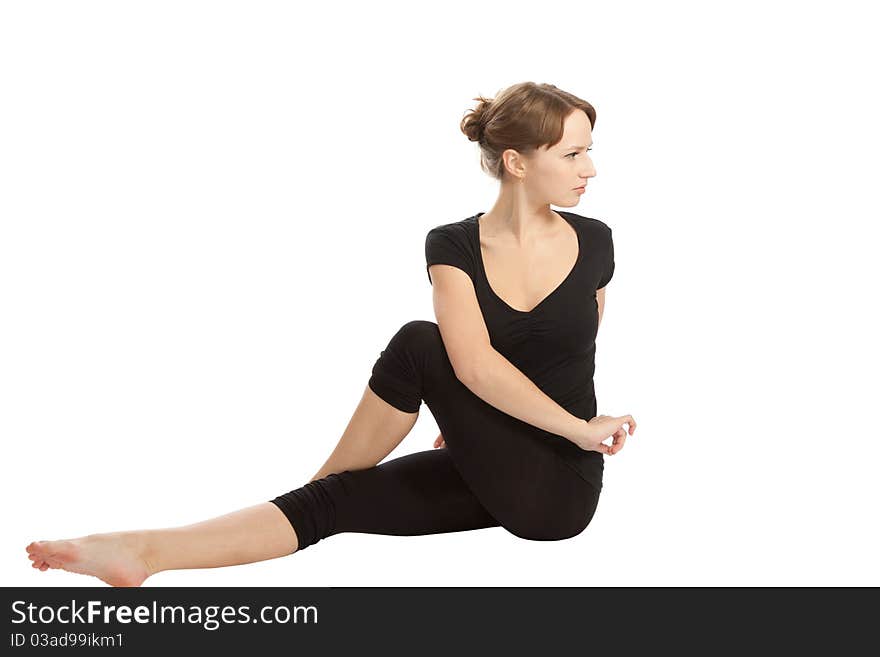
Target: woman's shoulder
[(457, 233), (458, 228), (451, 244), (588, 223)]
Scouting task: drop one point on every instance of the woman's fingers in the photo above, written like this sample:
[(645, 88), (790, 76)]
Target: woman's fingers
[(619, 440)]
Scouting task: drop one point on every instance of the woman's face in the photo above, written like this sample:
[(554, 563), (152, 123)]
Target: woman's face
[(553, 174)]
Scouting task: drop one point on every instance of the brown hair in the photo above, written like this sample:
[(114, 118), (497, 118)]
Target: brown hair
[(524, 117)]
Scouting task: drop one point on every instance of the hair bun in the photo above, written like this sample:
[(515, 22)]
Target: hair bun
[(473, 125)]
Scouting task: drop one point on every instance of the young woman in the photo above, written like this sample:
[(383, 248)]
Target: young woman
[(506, 371)]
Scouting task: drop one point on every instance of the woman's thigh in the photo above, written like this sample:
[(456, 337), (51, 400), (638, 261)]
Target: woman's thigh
[(511, 469)]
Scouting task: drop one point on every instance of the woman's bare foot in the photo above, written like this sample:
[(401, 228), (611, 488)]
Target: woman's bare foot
[(115, 558)]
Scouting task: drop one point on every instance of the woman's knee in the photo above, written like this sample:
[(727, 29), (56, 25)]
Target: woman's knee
[(418, 333), (414, 337), (417, 349), (407, 363)]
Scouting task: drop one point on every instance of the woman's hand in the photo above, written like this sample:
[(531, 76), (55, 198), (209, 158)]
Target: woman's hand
[(596, 430), (440, 442)]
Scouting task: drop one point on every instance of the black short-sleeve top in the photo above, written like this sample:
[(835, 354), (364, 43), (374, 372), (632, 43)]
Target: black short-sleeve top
[(553, 344)]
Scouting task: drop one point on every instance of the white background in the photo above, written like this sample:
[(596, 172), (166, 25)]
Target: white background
[(213, 220)]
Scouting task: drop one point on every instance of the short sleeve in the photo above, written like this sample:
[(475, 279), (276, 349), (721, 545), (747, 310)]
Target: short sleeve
[(608, 270), (443, 246)]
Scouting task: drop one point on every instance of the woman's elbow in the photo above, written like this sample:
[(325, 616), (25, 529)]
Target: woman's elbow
[(470, 366)]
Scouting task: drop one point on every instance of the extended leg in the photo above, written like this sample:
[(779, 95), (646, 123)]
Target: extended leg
[(127, 558), (415, 494)]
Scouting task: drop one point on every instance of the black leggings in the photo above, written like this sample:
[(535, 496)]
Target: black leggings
[(495, 469)]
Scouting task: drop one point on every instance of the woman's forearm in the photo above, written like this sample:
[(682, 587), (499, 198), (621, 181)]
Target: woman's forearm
[(499, 383)]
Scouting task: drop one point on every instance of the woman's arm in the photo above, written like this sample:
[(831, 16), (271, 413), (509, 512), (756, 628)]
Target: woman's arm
[(498, 382), (600, 299)]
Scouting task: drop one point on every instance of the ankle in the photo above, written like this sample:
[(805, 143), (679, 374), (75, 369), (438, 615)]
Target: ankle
[(147, 548)]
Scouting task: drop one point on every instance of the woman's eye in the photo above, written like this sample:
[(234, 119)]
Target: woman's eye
[(575, 153)]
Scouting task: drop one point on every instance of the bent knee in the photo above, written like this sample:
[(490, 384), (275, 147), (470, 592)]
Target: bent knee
[(419, 329), (422, 340)]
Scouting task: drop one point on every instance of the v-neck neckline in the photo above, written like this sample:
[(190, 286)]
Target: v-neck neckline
[(549, 295)]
